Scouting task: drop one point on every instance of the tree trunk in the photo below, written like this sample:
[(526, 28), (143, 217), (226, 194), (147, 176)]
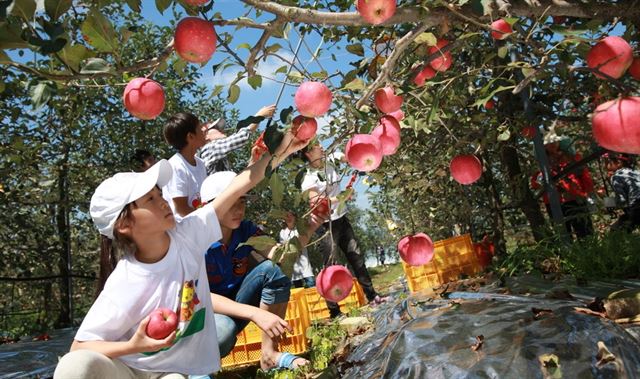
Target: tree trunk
[(62, 222), (522, 193), (497, 217)]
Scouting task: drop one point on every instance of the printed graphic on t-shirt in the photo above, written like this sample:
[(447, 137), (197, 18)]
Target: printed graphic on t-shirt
[(240, 266), (189, 300)]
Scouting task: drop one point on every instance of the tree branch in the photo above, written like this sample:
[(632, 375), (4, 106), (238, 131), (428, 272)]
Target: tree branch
[(516, 8), (389, 64), (251, 60)]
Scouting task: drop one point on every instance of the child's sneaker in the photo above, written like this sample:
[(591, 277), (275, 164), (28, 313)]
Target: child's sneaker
[(379, 300)]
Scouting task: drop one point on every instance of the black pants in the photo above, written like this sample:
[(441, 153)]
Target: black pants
[(342, 236), (629, 220), (577, 218)]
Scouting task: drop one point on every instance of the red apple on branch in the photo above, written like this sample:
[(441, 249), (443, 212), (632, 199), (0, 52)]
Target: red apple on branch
[(162, 322), (376, 11), (423, 75), (386, 100), (388, 132), (466, 169), (195, 39), (313, 99), (611, 56), (196, 3), (528, 132), (320, 207), (364, 152), (500, 29), (634, 69), (398, 115), (334, 283), (489, 105), (304, 128), (444, 60), (616, 125), (144, 98), (416, 250)]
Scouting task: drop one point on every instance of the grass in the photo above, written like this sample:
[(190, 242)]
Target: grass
[(384, 277)]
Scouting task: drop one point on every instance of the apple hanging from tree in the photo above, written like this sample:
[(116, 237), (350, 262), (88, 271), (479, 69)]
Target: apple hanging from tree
[(388, 132), (144, 98), (304, 128), (320, 207), (386, 100), (334, 283), (162, 322), (444, 60), (364, 152), (616, 125), (423, 75), (313, 99), (528, 132), (416, 250), (398, 115), (611, 56), (489, 105), (195, 39), (466, 169), (634, 69), (196, 3), (500, 29), (376, 11)]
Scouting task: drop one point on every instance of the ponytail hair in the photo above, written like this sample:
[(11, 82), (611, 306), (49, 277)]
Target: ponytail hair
[(109, 248)]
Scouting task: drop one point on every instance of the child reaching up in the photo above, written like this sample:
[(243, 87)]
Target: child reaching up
[(162, 267)]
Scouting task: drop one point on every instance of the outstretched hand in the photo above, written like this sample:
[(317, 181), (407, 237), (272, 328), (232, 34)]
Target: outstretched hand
[(289, 145), (270, 323), (142, 343), (267, 111)]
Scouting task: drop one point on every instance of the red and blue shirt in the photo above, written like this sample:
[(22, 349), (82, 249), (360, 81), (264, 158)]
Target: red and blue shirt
[(227, 265)]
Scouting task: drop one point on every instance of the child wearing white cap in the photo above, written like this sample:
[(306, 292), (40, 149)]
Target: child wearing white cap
[(162, 267)]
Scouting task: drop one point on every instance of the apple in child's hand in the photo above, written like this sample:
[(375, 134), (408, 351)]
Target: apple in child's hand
[(162, 322)]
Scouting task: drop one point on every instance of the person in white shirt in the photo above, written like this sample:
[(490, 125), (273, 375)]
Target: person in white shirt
[(302, 271), (323, 181), (162, 267), (184, 133)]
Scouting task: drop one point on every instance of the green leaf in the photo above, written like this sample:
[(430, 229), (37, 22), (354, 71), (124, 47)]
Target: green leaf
[(355, 85), (272, 49), (282, 69), (255, 81), (295, 76), (233, 93), (217, 90), (56, 8), (259, 243), (427, 38), (244, 45), (483, 100), (73, 55), (95, 66), (179, 66), (285, 114), (4, 58), (162, 5), (99, 32), (24, 9), (503, 51), (41, 93), (2, 87), (504, 136), (134, 5), (11, 37), (356, 49), (54, 46), (277, 189)]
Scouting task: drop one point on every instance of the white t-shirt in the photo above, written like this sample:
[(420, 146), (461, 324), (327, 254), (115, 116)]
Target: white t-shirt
[(330, 187), (179, 282), (185, 182), (302, 267)]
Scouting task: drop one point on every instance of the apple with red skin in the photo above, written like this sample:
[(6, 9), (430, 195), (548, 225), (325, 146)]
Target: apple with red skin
[(466, 169), (144, 98), (634, 69), (195, 39), (611, 56), (162, 322), (320, 207), (388, 132), (334, 283), (364, 152), (500, 29), (615, 125), (444, 60), (416, 250), (376, 11), (304, 128), (528, 132), (559, 19), (313, 99), (398, 115), (423, 75), (386, 100), (489, 105)]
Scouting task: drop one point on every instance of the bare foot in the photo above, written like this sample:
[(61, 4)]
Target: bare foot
[(271, 361)]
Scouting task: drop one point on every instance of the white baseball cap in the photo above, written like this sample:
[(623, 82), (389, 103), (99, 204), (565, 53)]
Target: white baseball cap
[(113, 194), (215, 184)]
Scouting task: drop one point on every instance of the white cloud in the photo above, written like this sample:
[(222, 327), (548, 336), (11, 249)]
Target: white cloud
[(265, 69)]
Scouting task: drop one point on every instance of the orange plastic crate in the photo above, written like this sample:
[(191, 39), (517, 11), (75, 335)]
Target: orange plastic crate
[(248, 345), (317, 306), (451, 257)]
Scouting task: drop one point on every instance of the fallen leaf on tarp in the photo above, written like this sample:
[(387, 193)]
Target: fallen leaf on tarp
[(623, 303), (628, 320), (588, 311), (550, 366), (479, 342), (604, 356), (540, 312)]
